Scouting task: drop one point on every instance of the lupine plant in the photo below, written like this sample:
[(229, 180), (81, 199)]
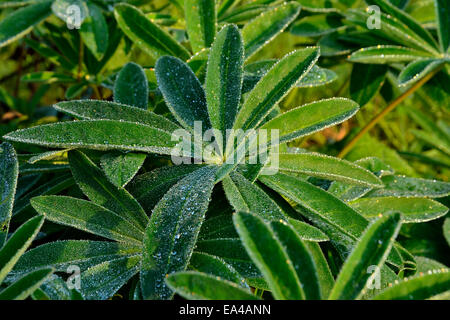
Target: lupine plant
[(200, 192)]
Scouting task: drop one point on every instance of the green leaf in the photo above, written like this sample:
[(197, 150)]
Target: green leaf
[(426, 264), (198, 63), (434, 133), (446, 229), (332, 46), (103, 280), (94, 31), (342, 224), (322, 5), (200, 18), (173, 229), (53, 186), (431, 138), (17, 244), (317, 25), (87, 216), (55, 288), (317, 77), (311, 118), (386, 54), (275, 84), (56, 155), (243, 13), (218, 227), (120, 168), (413, 210), (147, 35), (401, 186), (348, 192), (418, 288), (182, 92), (326, 167), (324, 276), (25, 286), (267, 26), (302, 259), (25, 183), (201, 286), (75, 90), (442, 8), (392, 29), (22, 21), (372, 147), (101, 191), (307, 232), (248, 197), (9, 171), (225, 5), (97, 135), (215, 266), (418, 69), (224, 78), (407, 20), (371, 250), (107, 110), (232, 252), (59, 255), (47, 77), (365, 82), (131, 86), (149, 188), (269, 255)]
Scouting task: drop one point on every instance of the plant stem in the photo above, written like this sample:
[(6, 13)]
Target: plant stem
[(385, 111)]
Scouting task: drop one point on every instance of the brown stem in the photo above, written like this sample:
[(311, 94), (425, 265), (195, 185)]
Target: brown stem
[(385, 111)]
